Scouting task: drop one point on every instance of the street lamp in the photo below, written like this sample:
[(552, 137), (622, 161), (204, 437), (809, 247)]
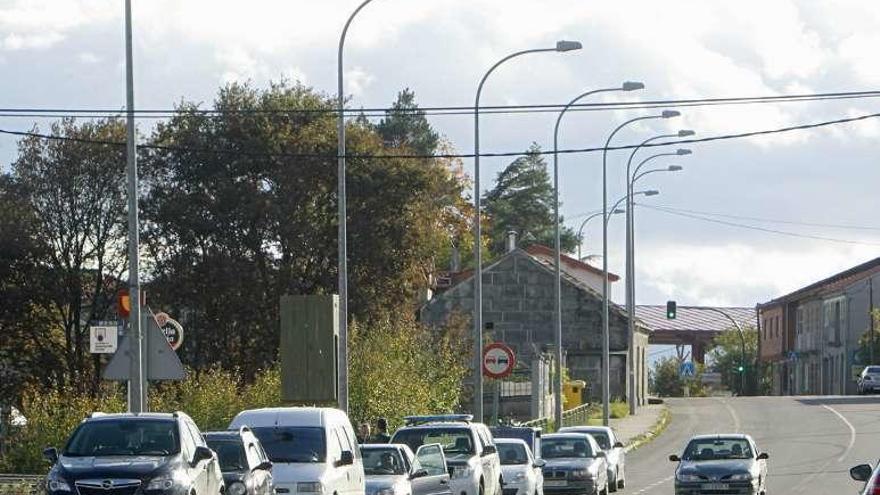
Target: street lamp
[(626, 86), (671, 168), (615, 211), (606, 332), (342, 358), (561, 46), (742, 341)]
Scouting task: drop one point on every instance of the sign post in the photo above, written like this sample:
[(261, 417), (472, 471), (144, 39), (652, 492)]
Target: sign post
[(498, 362)]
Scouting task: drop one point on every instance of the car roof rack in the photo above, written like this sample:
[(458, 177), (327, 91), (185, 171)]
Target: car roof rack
[(438, 418)]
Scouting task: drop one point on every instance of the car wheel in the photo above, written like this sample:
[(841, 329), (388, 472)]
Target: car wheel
[(621, 484), (500, 490), (482, 490), (612, 483)]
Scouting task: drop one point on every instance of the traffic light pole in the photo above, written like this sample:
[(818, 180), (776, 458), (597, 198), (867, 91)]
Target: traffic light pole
[(742, 341)]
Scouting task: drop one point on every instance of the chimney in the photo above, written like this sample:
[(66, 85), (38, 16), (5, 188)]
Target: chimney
[(511, 240)]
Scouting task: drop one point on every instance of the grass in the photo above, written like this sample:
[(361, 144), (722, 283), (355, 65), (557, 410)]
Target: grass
[(619, 409)]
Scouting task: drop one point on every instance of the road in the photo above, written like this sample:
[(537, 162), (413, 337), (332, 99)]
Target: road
[(812, 441)]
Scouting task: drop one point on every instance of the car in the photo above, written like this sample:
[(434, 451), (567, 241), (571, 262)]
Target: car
[(869, 380), (614, 452), (469, 448), (522, 473), (721, 464), (575, 464), (529, 434), (870, 476), (313, 450), (393, 469), (127, 453), (246, 468)]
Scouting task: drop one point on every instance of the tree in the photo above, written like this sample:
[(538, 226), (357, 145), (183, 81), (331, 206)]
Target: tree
[(726, 358), (665, 379), (867, 341), (405, 126), (522, 201)]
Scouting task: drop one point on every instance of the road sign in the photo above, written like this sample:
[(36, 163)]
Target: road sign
[(103, 337), (687, 369), (171, 328), (498, 360), (710, 378), (162, 362)]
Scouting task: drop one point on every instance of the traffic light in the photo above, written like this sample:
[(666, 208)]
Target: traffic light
[(740, 368), (670, 310)]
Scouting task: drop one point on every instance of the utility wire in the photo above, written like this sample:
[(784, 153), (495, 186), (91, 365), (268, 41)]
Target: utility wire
[(721, 137), (443, 110), (760, 229), (767, 220)]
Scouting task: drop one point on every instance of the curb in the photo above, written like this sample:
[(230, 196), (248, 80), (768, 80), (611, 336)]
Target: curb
[(654, 431)]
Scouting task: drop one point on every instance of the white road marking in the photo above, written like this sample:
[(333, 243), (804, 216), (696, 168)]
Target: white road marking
[(737, 426), (852, 432), (653, 485)]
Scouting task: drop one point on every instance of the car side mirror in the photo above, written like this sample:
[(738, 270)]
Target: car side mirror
[(674, 458), (489, 450), (263, 466), (202, 453), (418, 473), (862, 472), (539, 463), (346, 459), (618, 445), (763, 456), (50, 454)]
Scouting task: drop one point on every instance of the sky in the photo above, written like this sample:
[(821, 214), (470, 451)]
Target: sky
[(69, 54)]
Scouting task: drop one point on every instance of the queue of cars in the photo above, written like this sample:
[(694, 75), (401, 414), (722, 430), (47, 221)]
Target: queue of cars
[(314, 451)]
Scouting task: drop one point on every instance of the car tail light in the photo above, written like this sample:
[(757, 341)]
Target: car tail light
[(875, 487)]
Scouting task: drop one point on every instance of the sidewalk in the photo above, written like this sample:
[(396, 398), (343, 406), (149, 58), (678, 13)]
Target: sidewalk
[(632, 430)]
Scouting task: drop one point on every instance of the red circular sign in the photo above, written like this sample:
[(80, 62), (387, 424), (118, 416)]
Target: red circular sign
[(498, 360)]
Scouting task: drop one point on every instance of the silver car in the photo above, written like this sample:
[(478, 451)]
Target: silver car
[(393, 469), (721, 464), (614, 452), (575, 464), (869, 380)]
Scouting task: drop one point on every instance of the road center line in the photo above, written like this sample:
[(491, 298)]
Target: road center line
[(852, 432), (737, 426)]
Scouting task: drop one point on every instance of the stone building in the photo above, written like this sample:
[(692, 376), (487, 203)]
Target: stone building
[(519, 309)]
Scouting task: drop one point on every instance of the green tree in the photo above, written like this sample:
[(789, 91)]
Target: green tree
[(867, 341), (726, 358), (405, 126), (522, 201), (665, 379)]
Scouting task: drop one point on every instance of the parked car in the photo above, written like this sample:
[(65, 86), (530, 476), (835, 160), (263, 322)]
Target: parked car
[(529, 434), (246, 468), (575, 464), (614, 452), (869, 380), (313, 449), (122, 454), (721, 464), (521, 472), (393, 469), (870, 476), (469, 448)]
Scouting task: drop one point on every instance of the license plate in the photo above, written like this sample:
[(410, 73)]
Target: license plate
[(555, 483), (715, 486)]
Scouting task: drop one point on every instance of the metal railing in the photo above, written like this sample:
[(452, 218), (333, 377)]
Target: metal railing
[(577, 416)]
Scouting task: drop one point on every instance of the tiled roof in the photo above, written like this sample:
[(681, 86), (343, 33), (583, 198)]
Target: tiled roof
[(568, 261), (693, 318)]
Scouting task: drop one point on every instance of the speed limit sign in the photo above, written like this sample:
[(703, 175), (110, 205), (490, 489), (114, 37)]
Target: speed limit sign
[(498, 360)]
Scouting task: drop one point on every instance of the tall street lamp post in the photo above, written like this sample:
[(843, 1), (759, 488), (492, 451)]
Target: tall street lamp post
[(561, 46), (742, 342), (626, 86), (615, 211), (606, 333)]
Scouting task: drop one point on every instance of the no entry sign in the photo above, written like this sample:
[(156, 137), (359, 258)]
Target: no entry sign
[(498, 360)]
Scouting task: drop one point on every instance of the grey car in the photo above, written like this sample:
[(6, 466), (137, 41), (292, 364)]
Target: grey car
[(575, 464), (614, 452), (393, 469), (869, 380), (729, 464)]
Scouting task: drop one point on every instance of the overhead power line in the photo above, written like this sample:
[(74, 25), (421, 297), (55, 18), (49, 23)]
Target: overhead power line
[(757, 228), (377, 112), (721, 137), (767, 220)]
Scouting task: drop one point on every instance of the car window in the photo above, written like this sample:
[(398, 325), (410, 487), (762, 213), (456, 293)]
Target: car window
[(873, 369), (454, 440), (334, 449), (559, 448), (292, 443), (231, 454), (196, 435), (383, 461), (253, 456), (124, 437), (512, 454), (485, 436), (709, 449), (186, 442), (431, 459)]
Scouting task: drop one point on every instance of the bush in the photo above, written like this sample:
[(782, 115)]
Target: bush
[(619, 409)]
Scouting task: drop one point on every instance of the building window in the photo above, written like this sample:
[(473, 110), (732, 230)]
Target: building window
[(778, 321)]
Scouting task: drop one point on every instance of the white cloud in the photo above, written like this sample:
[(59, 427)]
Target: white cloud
[(357, 80)]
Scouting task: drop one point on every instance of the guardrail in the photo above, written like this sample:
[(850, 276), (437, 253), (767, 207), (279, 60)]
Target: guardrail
[(573, 417), (20, 484)]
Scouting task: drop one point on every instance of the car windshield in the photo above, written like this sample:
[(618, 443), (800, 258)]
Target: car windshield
[(512, 454), (600, 437), (383, 461), (292, 443), (129, 436), (711, 449), (874, 370), (230, 453), (453, 440), (556, 448)]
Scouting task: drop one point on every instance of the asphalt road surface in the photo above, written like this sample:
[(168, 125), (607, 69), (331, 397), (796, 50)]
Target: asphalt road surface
[(812, 441)]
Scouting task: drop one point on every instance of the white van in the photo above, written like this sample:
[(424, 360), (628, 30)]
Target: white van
[(313, 449)]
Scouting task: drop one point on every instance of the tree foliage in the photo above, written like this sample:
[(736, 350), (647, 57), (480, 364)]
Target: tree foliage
[(726, 358), (867, 341), (665, 379), (406, 127)]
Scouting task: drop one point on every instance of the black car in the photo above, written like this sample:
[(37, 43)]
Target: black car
[(245, 465), (128, 454)]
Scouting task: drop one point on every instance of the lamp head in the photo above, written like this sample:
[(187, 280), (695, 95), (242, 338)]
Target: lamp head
[(683, 151), (618, 211), (567, 46), (674, 168), (685, 133), (652, 192), (668, 114), (632, 86)]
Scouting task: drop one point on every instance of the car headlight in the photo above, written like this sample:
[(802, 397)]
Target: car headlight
[(163, 482), (741, 477), (461, 472), (237, 488), (688, 477), (385, 491), (581, 474), (309, 487), (54, 483)]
